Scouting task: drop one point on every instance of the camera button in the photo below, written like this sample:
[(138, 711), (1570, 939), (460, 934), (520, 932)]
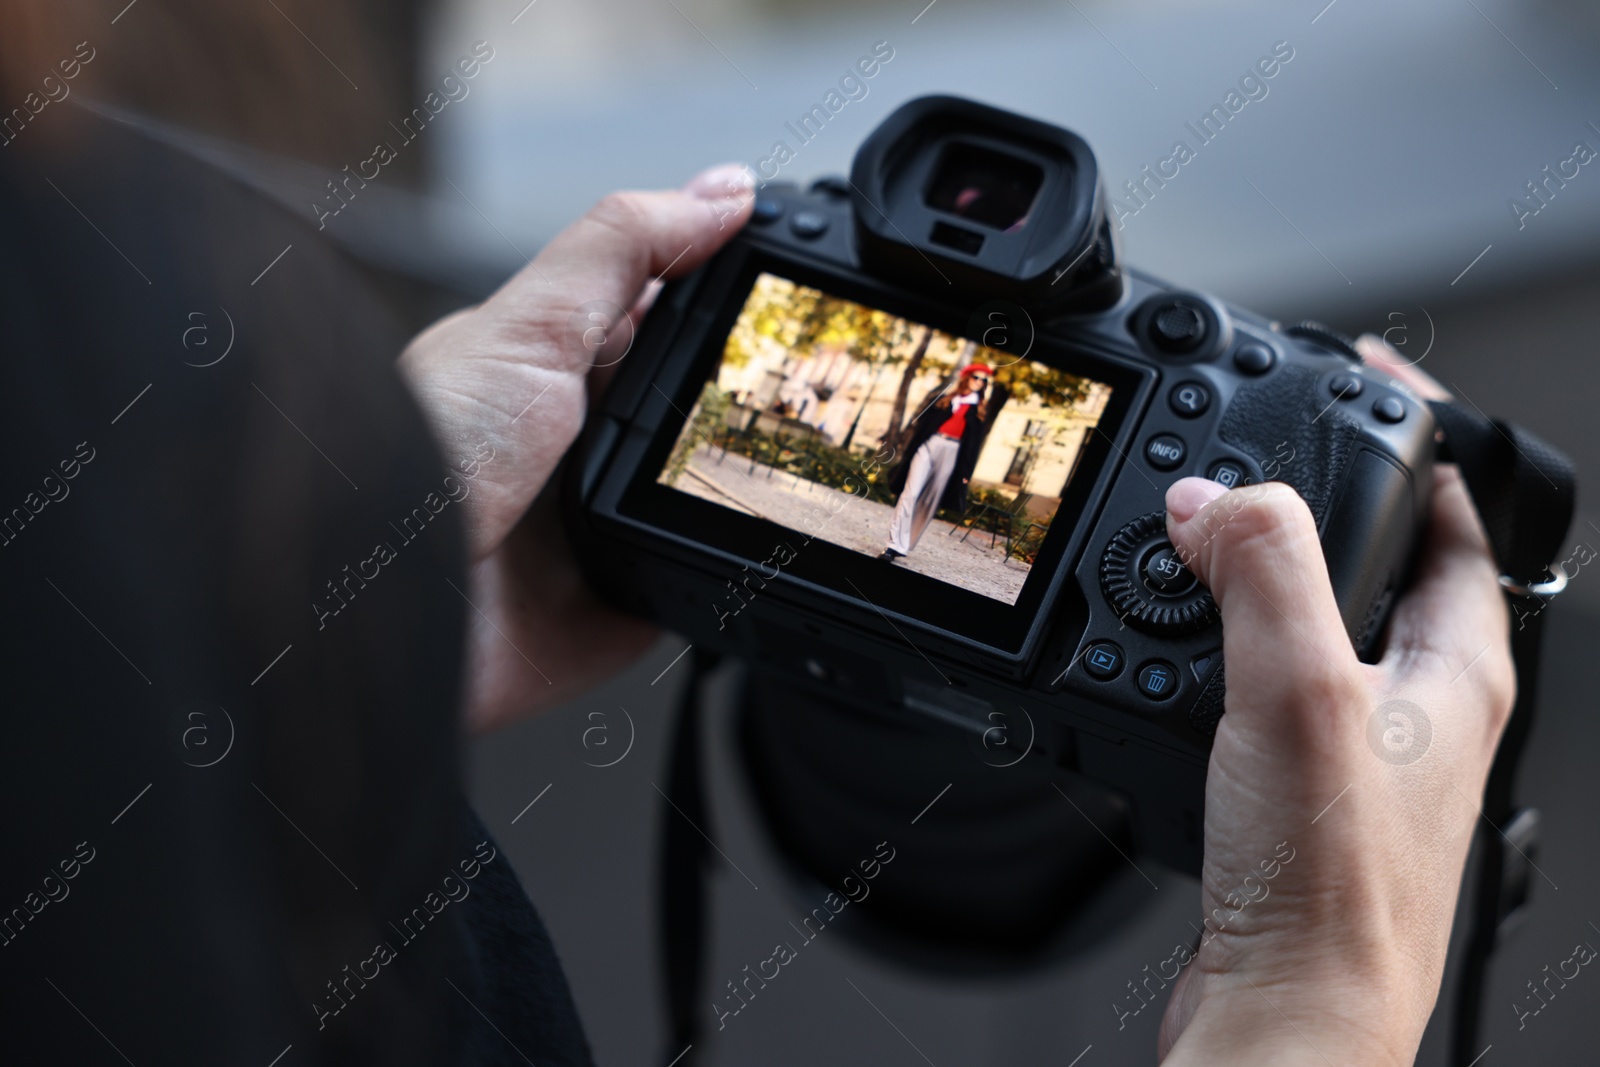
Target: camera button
[(832, 186), (1165, 451), (1125, 579), (808, 224), (1389, 409), (1227, 473), (766, 211), (1189, 399), (1178, 328), (1345, 386), (1165, 574), (1158, 680), (1254, 358), (1103, 660), (1182, 326)]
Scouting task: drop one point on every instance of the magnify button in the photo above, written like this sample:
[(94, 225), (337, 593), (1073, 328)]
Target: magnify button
[(1189, 399)]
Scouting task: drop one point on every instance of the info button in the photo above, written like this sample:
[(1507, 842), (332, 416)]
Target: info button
[(1165, 451)]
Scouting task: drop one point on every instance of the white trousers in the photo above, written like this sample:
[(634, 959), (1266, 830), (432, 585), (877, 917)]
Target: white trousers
[(930, 472)]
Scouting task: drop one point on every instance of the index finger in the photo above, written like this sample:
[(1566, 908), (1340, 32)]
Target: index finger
[(605, 259), (1375, 352)]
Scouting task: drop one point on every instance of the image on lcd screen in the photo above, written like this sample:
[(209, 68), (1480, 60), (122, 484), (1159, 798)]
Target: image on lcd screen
[(881, 435)]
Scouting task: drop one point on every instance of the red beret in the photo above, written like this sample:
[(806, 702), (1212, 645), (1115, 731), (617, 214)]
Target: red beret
[(976, 368)]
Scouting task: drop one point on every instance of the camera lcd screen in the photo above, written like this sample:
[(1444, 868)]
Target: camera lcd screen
[(923, 450)]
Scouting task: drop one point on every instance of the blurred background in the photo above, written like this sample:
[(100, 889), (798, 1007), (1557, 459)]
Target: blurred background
[(1372, 187)]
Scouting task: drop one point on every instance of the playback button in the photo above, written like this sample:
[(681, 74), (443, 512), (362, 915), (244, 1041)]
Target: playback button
[(1103, 660)]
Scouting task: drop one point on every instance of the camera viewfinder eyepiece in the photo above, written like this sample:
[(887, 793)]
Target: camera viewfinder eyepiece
[(994, 204)]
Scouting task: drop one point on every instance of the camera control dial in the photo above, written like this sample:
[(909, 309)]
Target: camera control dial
[(1182, 327), (1148, 585)]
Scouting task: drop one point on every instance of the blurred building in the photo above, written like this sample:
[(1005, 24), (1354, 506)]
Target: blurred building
[(1032, 448)]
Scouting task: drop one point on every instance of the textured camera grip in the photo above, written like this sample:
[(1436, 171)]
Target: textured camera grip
[(1207, 710), (1294, 433), (1298, 437)]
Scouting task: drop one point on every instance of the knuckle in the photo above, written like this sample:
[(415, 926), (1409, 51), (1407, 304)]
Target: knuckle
[(624, 211), (1316, 679), (531, 331), (1274, 520), (1328, 688), (1500, 691)]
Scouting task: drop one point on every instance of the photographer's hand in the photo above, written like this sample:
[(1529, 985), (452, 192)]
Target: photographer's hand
[(505, 385), (1368, 777)]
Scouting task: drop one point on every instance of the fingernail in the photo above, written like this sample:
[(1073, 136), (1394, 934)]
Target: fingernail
[(1188, 495), (721, 182), (1374, 348)]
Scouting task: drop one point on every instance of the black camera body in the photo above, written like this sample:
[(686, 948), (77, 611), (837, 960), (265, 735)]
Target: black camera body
[(741, 515)]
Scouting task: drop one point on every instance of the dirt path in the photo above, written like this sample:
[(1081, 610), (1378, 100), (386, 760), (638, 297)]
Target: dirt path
[(853, 523)]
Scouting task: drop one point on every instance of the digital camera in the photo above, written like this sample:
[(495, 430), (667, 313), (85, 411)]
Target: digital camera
[(905, 442)]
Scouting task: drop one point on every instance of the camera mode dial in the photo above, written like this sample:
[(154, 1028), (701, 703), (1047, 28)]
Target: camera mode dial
[(1146, 583), (1326, 337)]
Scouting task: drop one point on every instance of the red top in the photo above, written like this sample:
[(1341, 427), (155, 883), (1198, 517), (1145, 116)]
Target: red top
[(957, 422)]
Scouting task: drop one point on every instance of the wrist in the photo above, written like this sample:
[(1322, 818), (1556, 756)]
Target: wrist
[(1243, 1022)]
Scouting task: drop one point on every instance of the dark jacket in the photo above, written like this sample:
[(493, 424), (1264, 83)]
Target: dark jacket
[(954, 497), (216, 798)]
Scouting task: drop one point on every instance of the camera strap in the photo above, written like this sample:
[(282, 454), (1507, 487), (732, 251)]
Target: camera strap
[(685, 853), (1524, 492)]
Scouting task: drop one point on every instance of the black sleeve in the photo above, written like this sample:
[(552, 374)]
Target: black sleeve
[(231, 645)]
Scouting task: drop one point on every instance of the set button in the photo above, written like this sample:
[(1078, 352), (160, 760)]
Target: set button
[(1165, 451), (1148, 586), (766, 211), (1158, 680), (1165, 574)]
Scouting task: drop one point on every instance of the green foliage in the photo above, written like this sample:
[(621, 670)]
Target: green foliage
[(1026, 379), (802, 320), (814, 460), (705, 422)]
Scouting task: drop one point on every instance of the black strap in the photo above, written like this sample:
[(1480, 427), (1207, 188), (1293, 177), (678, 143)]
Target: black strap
[(1524, 491), (1506, 847), (685, 855)]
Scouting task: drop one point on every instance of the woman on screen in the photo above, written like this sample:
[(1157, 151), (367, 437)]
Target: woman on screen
[(943, 450)]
